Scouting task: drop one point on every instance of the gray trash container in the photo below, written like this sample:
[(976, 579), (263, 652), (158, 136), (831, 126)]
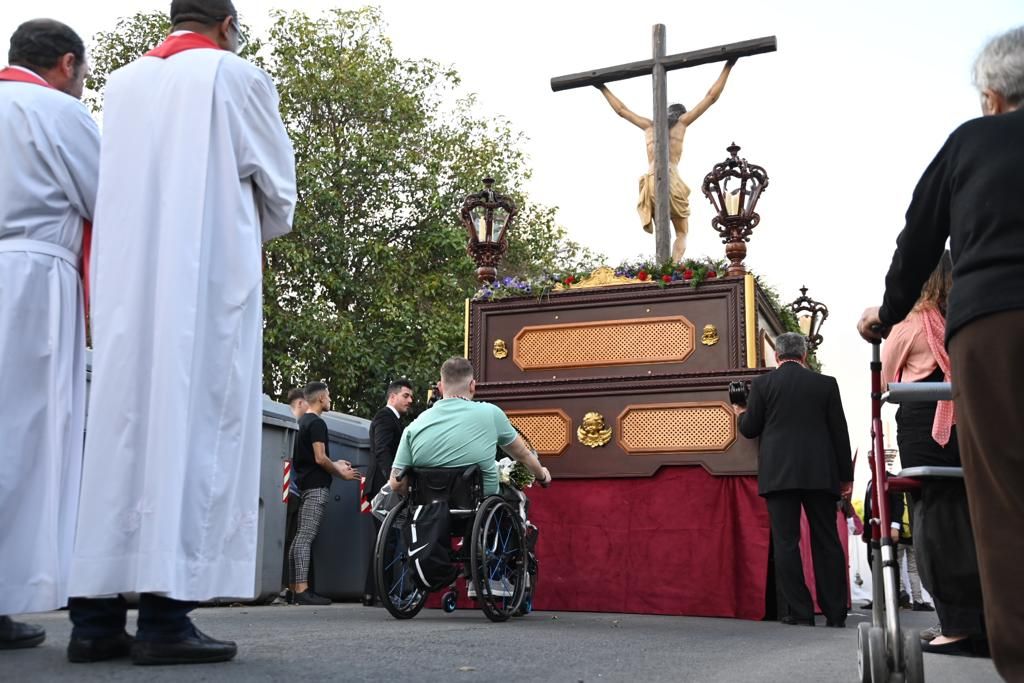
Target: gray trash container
[(341, 551), (279, 429)]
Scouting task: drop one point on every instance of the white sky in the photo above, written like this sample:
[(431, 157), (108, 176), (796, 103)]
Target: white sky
[(844, 117)]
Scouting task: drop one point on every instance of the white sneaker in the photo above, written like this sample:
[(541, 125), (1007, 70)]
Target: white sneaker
[(499, 589)]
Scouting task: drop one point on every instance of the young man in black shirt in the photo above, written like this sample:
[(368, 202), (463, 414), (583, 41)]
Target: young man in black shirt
[(313, 469)]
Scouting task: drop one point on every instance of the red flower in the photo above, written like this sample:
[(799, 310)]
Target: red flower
[(712, 274), (666, 278), (642, 276), (687, 274), (569, 280)]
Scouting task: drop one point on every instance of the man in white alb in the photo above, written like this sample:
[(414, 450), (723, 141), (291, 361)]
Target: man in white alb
[(49, 159), (196, 171)]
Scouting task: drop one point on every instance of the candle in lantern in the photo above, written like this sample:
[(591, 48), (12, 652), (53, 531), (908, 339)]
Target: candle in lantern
[(732, 202)]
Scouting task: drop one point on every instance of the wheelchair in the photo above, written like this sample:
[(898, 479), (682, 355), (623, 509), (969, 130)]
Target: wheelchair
[(493, 545)]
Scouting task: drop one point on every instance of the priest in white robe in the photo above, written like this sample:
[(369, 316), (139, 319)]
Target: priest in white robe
[(49, 160), (196, 172)]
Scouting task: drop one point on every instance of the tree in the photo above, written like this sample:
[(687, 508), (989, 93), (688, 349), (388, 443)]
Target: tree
[(371, 283)]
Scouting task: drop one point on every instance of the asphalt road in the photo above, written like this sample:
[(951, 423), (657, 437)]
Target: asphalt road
[(355, 643)]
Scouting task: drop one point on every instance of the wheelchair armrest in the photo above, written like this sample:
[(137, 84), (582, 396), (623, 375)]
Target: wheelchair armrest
[(470, 472)]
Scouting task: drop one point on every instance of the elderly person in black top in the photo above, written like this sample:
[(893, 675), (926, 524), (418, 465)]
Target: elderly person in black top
[(385, 431), (803, 462), (971, 195)]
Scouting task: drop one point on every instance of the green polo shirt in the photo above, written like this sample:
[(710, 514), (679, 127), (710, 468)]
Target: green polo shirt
[(457, 433)]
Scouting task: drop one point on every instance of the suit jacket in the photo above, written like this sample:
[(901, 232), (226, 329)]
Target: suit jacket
[(385, 432), (804, 442)]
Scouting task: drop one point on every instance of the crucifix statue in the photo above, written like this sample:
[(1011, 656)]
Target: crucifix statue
[(661, 186)]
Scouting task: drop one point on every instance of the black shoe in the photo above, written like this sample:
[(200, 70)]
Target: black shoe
[(308, 597), (14, 635), (867, 604), (923, 607), (838, 623), (369, 601), (958, 648), (84, 650), (198, 648), (797, 621)]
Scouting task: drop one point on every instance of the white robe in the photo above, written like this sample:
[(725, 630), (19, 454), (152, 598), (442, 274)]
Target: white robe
[(196, 170), (49, 159)]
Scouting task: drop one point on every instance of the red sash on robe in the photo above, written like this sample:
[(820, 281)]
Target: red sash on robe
[(172, 45), (12, 74)]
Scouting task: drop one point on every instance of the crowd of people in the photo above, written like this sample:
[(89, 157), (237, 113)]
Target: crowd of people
[(155, 229)]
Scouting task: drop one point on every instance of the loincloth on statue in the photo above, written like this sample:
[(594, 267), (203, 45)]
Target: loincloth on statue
[(679, 198)]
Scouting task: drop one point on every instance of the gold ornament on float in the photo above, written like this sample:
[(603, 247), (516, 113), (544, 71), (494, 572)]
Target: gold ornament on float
[(710, 336), (593, 432), (500, 350)]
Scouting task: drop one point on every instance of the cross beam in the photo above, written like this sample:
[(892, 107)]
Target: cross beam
[(658, 66)]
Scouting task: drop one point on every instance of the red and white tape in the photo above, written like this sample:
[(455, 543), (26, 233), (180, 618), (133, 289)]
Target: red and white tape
[(287, 481)]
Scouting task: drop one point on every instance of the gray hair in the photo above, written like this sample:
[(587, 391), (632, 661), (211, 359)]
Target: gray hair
[(456, 373), (791, 345), (1000, 66)]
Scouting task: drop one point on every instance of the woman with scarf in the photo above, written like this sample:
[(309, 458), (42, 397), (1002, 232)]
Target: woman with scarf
[(926, 433)]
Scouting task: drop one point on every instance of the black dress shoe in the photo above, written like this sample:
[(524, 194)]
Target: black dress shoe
[(797, 621), (369, 601), (84, 650), (14, 635), (958, 648), (838, 623), (198, 648), (922, 607), (308, 597)]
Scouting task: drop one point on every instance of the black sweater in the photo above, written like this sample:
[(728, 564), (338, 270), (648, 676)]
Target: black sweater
[(972, 193)]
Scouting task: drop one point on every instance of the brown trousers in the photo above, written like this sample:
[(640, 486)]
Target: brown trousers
[(987, 359)]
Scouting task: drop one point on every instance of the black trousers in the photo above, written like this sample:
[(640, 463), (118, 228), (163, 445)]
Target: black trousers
[(826, 551), (160, 619)]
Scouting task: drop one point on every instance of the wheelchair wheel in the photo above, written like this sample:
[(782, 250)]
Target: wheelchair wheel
[(397, 586), (498, 558)]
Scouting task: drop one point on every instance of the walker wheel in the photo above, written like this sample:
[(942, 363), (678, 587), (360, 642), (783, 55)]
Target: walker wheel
[(863, 656), (913, 659), (878, 657), (449, 602)]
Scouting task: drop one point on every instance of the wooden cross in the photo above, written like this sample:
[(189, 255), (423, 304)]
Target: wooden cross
[(658, 67)]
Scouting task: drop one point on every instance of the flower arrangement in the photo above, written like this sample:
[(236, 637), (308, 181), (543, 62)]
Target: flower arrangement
[(691, 271), (514, 474)]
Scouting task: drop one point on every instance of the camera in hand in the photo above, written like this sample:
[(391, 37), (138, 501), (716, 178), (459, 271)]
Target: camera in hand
[(433, 395), (738, 392)]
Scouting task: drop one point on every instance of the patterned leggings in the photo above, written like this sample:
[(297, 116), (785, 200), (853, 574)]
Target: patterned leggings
[(312, 504)]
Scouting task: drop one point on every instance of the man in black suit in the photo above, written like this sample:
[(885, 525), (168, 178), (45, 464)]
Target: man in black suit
[(385, 432), (804, 461)]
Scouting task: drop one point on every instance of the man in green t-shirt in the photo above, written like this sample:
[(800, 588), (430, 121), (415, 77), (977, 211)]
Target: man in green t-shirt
[(458, 432)]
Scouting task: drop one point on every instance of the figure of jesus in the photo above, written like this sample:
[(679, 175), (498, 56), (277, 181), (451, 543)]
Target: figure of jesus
[(678, 120)]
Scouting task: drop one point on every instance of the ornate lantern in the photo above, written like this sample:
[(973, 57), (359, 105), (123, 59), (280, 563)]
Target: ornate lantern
[(487, 216), (735, 205), (810, 314)]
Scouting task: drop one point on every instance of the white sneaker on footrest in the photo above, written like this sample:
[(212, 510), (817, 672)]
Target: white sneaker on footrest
[(499, 589)]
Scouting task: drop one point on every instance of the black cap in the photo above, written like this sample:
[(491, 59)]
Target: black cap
[(203, 11)]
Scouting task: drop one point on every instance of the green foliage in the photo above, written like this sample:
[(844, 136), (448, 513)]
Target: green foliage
[(371, 283)]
